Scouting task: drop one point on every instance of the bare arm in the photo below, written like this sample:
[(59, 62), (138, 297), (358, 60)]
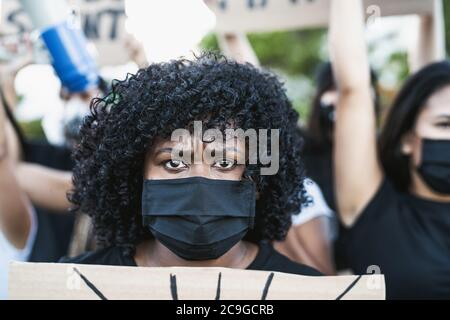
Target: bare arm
[(136, 51), (9, 71), (15, 209), (310, 244), (46, 187), (358, 173), (430, 43), (237, 46)]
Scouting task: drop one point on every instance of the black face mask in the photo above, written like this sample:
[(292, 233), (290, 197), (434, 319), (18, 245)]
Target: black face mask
[(327, 119), (327, 114), (198, 218), (435, 167)]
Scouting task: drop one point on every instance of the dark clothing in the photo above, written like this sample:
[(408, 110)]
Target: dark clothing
[(318, 161), (54, 228), (409, 239), (319, 168), (267, 259)]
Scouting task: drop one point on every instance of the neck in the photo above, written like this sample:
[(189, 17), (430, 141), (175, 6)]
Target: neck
[(152, 253), (420, 189)]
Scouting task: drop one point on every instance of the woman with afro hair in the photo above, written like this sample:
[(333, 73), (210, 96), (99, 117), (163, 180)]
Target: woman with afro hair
[(152, 208)]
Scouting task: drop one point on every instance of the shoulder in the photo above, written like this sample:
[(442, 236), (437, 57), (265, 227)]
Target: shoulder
[(382, 208), (268, 259), (108, 256), (284, 264), (315, 205)]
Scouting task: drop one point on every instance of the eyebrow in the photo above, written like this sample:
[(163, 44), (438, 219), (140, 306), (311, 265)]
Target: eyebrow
[(445, 116), (164, 150), (169, 150), (229, 149)]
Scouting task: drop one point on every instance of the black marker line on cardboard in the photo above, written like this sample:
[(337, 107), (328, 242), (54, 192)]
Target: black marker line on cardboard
[(267, 286), (173, 287), (219, 280), (349, 288), (90, 285)]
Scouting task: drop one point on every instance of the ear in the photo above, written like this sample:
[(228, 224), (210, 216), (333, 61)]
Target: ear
[(407, 144)]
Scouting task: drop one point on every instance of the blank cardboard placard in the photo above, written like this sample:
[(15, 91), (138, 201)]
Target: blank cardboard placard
[(242, 16), (268, 15), (91, 282)]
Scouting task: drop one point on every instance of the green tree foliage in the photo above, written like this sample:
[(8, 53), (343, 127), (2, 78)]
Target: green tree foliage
[(293, 52), (447, 23), (296, 52)]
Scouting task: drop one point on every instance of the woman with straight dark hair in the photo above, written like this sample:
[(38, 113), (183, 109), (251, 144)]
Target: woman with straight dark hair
[(420, 89), (395, 199)]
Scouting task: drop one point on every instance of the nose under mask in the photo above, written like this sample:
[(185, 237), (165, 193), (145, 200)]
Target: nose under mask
[(435, 165), (327, 114), (198, 218)]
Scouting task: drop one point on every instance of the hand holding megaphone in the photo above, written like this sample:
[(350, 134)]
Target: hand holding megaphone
[(65, 42)]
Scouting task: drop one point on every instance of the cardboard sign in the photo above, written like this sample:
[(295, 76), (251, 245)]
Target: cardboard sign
[(103, 22), (90, 282), (268, 15)]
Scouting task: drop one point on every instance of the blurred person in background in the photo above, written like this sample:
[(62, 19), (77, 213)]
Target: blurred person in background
[(318, 153), (17, 218), (319, 132), (62, 126), (43, 172), (36, 224), (43, 167), (396, 198), (310, 239)]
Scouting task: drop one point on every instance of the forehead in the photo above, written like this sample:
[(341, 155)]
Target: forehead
[(438, 104), (189, 141)]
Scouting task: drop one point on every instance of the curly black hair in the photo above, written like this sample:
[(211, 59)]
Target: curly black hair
[(108, 175)]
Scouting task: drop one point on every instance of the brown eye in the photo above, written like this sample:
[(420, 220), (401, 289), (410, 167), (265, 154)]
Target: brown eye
[(175, 165), (443, 125), (225, 164)]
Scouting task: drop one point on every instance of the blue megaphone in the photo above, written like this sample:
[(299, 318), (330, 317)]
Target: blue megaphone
[(65, 42)]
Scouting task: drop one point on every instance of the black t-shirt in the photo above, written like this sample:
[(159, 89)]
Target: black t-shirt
[(267, 259), (409, 239), (55, 229)]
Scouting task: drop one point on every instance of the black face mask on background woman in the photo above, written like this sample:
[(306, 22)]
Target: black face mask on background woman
[(198, 218), (435, 166), (327, 116)]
